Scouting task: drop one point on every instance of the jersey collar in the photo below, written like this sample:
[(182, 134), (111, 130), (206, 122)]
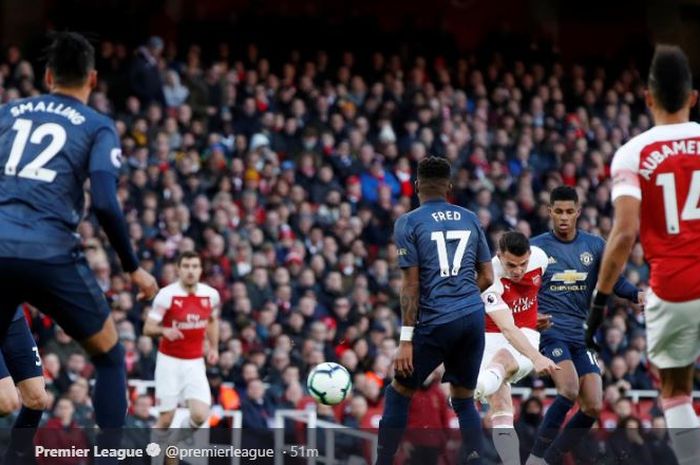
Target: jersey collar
[(562, 241)]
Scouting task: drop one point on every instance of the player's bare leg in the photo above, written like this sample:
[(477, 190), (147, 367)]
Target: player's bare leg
[(567, 384), (505, 438), (590, 400), (9, 400), (681, 420), (199, 413), (502, 366), (33, 400)]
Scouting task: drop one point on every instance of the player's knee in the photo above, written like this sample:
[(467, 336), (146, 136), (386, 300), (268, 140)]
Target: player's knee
[(165, 419), (36, 399), (9, 402), (403, 390), (568, 390), (113, 356), (592, 409), (198, 417)]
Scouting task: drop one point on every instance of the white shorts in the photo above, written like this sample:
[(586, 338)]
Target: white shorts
[(180, 379), (497, 341), (673, 331)]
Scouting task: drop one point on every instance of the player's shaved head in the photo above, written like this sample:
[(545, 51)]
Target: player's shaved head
[(670, 78), (434, 175), (71, 58)]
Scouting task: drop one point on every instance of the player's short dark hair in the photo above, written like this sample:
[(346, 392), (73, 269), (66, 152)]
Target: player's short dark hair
[(436, 168), (563, 194), (186, 255), (71, 58), (670, 79), (514, 242)]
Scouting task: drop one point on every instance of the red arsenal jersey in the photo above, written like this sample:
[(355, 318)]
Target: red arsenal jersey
[(189, 313), (520, 297), (661, 167)]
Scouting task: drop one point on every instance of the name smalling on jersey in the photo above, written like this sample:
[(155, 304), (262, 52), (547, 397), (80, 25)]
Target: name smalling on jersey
[(665, 150), (73, 115)]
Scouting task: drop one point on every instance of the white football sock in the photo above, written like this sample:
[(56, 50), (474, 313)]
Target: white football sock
[(684, 428), (505, 439)]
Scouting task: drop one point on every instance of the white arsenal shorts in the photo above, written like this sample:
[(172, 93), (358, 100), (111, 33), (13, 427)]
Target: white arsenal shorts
[(497, 341), (179, 379), (673, 331)]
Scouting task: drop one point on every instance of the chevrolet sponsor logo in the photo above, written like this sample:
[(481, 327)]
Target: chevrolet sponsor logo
[(569, 277)]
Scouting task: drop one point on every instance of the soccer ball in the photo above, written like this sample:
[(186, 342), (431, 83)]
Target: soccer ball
[(329, 383)]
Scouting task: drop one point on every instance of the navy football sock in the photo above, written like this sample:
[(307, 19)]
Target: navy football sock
[(109, 399), (470, 428), (392, 425), (22, 436), (550, 424), (575, 429)]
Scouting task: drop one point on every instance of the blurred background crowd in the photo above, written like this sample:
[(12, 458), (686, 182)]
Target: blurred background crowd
[(287, 174)]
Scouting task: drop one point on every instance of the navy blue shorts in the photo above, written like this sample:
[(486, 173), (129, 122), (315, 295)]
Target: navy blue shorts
[(584, 360), (459, 344), (19, 357), (63, 288)]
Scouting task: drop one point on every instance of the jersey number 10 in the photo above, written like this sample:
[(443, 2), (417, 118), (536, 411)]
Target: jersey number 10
[(35, 169), (441, 239), (690, 210)]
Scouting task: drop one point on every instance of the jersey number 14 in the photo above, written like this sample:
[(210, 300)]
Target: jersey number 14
[(690, 209), (35, 169), (441, 239)]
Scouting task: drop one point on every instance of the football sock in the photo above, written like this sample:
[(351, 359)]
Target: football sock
[(20, 448), (392, 425), (550, 424), (575, 429), (109, 399), (684, 429), (470, 427), (505, 439)]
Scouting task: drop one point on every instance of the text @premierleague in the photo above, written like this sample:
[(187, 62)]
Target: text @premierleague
[(155, 450)]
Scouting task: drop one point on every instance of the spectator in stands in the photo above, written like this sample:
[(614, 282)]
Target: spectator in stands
[(62, 432), (75, 368), (659, 443), (62, 345), (627, 446), (138, 425), (144, 76)]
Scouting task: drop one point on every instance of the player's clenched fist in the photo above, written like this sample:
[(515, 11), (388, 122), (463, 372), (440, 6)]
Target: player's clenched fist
[(147, 284), (403, 363), (545, 366)]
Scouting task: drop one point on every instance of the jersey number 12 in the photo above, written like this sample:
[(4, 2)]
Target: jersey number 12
[(35, 169), (441, 239)]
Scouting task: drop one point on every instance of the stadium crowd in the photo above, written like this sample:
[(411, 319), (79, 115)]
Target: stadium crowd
[(288, 176)]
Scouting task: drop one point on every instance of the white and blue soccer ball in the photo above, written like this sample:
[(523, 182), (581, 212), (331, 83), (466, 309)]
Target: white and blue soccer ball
[(329, 383)]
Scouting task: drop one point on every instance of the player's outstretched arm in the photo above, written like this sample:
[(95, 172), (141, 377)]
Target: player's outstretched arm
[(504, 321), (213, 339)]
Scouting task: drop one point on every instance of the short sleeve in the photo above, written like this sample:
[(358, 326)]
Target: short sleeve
[(483, 253), (538, 259), (493, 298), (161, 304), (625, 173), (106, 152), (405, 241)]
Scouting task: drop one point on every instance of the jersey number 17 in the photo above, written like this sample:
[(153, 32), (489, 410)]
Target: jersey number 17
[(441, 238)]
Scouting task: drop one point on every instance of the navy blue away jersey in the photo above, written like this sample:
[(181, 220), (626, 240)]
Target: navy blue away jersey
[(445, 242), (569, 282), (48, 146)]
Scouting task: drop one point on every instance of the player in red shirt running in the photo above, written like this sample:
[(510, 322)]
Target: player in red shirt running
[(512, 338), (657, 174), (183, 314)]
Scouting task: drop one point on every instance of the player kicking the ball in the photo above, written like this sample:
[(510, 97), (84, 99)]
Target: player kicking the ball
[(183, 314), (512, 339), (657, 174), (446, 263)]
